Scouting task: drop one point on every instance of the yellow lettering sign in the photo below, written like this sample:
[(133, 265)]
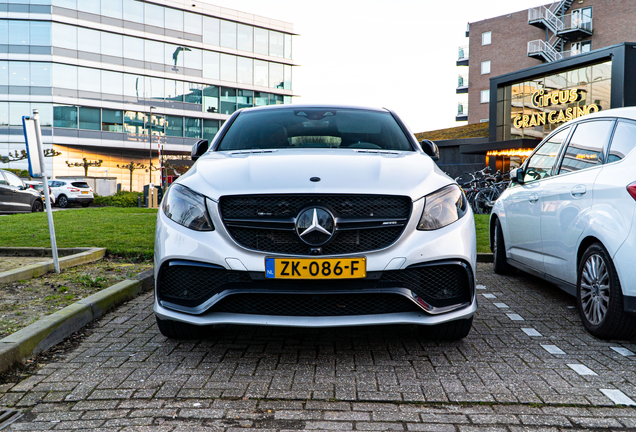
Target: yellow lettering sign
[(540, 99)]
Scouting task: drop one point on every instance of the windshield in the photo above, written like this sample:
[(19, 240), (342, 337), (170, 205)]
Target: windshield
[(315, 128)]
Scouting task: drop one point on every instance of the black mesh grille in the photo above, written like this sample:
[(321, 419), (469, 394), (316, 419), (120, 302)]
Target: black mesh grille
[(439, 285), (288, 206), (363, 206), (315, 304), (343, 242), (191, 286)]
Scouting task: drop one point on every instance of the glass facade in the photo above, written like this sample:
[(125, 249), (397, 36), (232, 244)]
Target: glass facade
[(534, 108), (193, 69)]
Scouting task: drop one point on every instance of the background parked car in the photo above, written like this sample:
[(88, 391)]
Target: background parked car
[(16, 197), (38, 187), (568, 217), (70, 191)]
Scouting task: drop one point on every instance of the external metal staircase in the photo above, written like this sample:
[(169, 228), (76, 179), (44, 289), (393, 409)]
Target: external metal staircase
[(553, 19)]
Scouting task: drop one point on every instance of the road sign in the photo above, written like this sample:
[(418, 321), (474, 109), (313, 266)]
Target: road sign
[(37, 168), (30, 137)]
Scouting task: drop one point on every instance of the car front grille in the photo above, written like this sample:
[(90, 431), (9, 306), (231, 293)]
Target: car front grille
[(315, 304), (266, 223), (385, 206), (343, 242), (439, 284)]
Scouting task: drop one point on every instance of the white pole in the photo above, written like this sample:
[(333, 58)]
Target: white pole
[(45, 186)]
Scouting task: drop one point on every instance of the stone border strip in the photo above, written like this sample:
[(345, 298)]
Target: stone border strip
[(85, 255), (52, 329), (485, 257)]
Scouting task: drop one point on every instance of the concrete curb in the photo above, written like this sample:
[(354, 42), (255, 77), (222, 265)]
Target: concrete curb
[(35, 270), (484, 257), (52, 329)]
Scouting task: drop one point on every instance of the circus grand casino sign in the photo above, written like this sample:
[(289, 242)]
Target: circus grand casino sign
[(542, 100)]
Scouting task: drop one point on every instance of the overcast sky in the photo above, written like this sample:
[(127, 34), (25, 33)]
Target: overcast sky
[(397, 54)]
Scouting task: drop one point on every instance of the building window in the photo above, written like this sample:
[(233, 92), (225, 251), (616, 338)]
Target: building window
[(485, 96), (581, 47), (486, 38), (89, 118), (64, 116), (582, 18), (485, 67), (112, 121)]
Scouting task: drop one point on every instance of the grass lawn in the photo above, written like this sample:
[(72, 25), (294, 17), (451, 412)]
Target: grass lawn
[(481, 225), (128, 232)]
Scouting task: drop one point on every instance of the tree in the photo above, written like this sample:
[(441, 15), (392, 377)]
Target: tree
[(85, 164), (23, 155), (132, 167)]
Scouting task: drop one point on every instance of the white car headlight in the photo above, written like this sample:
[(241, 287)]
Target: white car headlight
[(442, 208), (187, 208)]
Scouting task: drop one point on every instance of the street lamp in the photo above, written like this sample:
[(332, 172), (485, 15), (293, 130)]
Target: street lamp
[(150, 144)]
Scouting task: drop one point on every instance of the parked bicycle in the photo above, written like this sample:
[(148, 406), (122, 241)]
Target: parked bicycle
[(483, 190)]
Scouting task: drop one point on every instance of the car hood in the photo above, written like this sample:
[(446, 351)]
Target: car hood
[(412, 174)]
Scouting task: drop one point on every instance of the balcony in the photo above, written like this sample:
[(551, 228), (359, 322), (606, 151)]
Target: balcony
[(543, 17), (576, 25), (543, 51), (462, 84), (462, 56), (462, 111)]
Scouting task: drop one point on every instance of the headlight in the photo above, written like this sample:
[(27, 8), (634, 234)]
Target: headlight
[(187, 208), (442, 208)]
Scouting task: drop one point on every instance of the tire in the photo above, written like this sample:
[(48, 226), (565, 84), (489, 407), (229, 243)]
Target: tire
[(181, 330), (599, 297), (62, 201), (452, 330), (37, 206), (500, 263)]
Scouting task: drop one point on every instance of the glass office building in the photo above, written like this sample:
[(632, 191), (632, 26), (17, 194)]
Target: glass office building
[(118, 79)]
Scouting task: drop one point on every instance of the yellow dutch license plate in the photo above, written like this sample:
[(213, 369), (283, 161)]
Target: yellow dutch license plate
[(85, 192), (315, 268)]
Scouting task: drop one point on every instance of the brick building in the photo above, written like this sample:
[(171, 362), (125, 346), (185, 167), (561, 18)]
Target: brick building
[(545, 34)]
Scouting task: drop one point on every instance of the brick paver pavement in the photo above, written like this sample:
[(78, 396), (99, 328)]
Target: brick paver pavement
[(504, 376)]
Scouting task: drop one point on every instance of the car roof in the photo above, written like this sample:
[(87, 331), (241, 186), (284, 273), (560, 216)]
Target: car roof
[(626, 112), (315, 106)]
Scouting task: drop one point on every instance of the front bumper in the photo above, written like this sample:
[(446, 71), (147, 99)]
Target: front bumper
[(305, 321), (453, 244)]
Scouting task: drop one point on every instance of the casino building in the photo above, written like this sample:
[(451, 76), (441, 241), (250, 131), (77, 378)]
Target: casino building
[(120, 80), (532, 70)]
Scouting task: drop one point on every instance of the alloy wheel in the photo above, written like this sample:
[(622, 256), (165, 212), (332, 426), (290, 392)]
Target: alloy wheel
[(595, 289)]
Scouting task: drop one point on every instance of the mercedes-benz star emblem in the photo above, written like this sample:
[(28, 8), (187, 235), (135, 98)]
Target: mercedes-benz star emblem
[(315, 226)]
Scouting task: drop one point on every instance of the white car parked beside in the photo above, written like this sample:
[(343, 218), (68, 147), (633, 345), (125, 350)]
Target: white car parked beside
[(568, 217), (70, 191)]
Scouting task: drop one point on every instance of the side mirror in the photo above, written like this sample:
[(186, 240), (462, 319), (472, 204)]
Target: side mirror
[(517, 175), (199, 148), (430, 148)]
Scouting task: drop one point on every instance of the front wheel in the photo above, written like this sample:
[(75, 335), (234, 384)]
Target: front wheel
[(500, 262), (600, 297), (62, 201), (452, 330)]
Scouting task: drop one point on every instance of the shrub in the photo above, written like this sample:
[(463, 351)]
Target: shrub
[(120, 199), (19, 172)]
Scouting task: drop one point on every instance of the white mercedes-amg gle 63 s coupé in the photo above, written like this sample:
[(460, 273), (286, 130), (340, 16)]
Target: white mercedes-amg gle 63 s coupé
[(315, 216)]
